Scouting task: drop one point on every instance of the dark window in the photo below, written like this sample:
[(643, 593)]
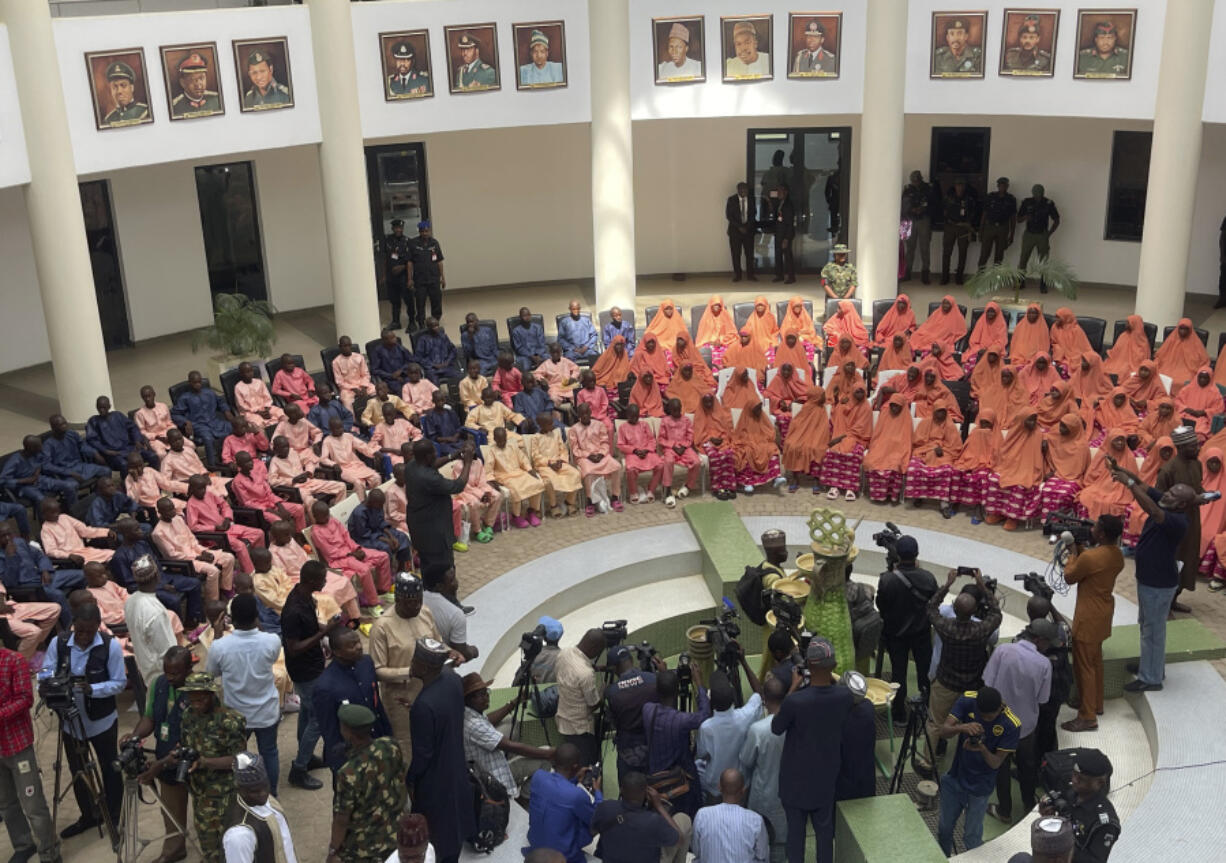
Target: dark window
[(960, 153), (396, 184), (105, 263), (1126, 191), (230, 222)]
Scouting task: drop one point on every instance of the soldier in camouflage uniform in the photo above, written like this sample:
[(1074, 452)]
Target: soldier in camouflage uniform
[(370, 792), (1027, 58), (839, 277), (1106, 59), (217, 733), (956, 57)]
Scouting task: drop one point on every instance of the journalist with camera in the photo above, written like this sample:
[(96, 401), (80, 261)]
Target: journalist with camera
[(163, 718), (624, 698), (81, 675), (902, 598), (578, 694), (1083, 801)]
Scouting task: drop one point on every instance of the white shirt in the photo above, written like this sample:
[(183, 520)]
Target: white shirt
[(238, 842), (150, 632), (395, 857), (738, 68), (451, 621), (720, 739), (669, 70), (244, 660), (727, 833)]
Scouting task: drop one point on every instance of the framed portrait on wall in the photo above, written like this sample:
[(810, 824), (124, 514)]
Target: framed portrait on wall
[(813, 40), (1104, 43), (472, 57), (1028, 43), (193, 88), (263, 73), (679, 56), (746, 41), (540, 55), (957, 44), (406, 65), (119, 87)]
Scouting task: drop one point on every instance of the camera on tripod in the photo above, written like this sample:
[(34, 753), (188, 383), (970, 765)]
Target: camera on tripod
[(614, 632), (888, 539), (1059, 522), (56, 692), (722, 633), (131, 759), (530, 646), (1034, 583), (644, 653)]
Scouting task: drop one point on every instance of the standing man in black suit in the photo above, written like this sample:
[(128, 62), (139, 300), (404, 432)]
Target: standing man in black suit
[(740, 211), (783, 219)]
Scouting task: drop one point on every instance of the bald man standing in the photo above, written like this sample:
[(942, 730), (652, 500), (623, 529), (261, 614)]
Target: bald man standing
[(728, 832)]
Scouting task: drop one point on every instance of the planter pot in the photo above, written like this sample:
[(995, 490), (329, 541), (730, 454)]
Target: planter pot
[(219, 363)]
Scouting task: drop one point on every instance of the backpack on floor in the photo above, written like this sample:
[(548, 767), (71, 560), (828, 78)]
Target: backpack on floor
[(492, 806), (1056, 768), (749, 594)]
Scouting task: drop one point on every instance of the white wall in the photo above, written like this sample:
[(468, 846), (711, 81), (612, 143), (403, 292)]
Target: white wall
[(713, 98), (1060, 95), (1215, 93), (23, 332), (445, 111), (1207, 218), (164, 140), (14, 169)]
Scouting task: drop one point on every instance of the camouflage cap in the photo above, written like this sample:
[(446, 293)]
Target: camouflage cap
[(840, 249), (193, 62), (200, 681), (402, 51), (119, 70), (355, 715)]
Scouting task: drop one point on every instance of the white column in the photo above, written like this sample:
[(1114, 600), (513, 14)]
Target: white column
[(612, 154), (1174, 160), (881, 131), (342, 166), (53, 205)]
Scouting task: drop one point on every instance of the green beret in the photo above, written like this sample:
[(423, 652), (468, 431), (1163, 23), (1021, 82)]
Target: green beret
[(355, 715), (119, 70), (257, 57)]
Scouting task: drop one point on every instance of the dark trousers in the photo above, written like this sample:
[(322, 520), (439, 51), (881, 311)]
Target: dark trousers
[(266, 744), (1045, 732), (105, 746), (954, 235), (434, 291), (589, 746), (307, 730), (919, 648), (1027, 762), (1221, 278), (741, 243), (785, 263), (993, 240), (176, 588), (822, 820), (398, 292)]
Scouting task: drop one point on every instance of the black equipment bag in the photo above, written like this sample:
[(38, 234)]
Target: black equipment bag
[(749, 595), (492, 806), (1056, 768)]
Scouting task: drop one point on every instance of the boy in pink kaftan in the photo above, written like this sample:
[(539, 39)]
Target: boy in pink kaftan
[(175, 540), (209, 512), (294, 384), (341, 449), (337, 550), (285, 468), (638, 448)]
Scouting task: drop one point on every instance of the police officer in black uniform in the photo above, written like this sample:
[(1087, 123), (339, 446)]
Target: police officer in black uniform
[(396, 262), (959, 227), (1036, 212), (625, 698), (1096, 827), (426, 270), (998, 224)]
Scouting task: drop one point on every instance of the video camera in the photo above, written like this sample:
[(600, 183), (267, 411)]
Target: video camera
[(989, 589), (131, 758), (1034, 583), (644, 653), (56, 692), (888, 539), (1056, 524), (788, 613), (530, 645), (614, 632), (722, 633)]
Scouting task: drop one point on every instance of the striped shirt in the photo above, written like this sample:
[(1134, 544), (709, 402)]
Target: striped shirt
[(727, 833)]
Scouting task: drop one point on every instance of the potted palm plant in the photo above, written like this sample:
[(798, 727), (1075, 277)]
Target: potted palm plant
[(1004, 284), (242, 330)]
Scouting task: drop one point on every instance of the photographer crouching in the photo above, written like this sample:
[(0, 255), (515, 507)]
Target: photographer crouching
[(1083, 802)]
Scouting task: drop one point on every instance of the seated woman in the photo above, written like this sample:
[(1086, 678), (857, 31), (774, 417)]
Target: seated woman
[(796, 353), (1066, 458), (897, 355), (846, 322), (561, 375), (716, 330), (741, 391), (1199, 401), (713, 438), (687, 388), (1114, 412), (510, 468), (612, 367), (899, 319), (946, 365), (845, 351), (1088, 379), (991, 330), (1100, 494), (650, 357), (418, 390), (762, 326), (1158, 423), (1039, 376), (933, 390), (684, 352), (798, 320), (676, 444), (1008, 399), (666, 325), (755, 449), (1057, 402), (551, 459), (1031, 337), (1181, 354), (936, 444), (1143, 385), (1068, 340), (645, 395), (986, 375), (1131, 348), (253, 400), (508, 379), (973, 469), (1160, 453), (637, 444), (744, 354), (1013, 495), (596, 397), (1213, 513), (591, 444), (787, 387), (294, 384), (807, 440), (945, 326), (907, 385), (842, 382), (889, 452), (851, 429)]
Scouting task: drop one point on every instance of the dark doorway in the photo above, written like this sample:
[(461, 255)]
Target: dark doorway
[(230, 222), (104, 260), (396, 185), (1129, 181), (960, 152), (816, 167)]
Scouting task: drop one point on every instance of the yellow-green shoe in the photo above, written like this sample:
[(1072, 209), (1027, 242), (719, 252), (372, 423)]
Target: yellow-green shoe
[(459, 546)]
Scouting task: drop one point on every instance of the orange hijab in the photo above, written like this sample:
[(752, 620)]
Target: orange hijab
[(1068, 456), (1030, 339), (986, 376), (716, 328), (611, 368), (1053, 408), (1131, 348), (1207, 398), (1068, 339), (1141, 390), (783, 389), (1092, 383), (841, 385), (948, 368), (981, 445), (650, 357), (795, 355), (1101, 493), (1019, 461), (1212, 514), (890, 446), (1007, 400), (893, 359), (942, 326), (808, 435), (1039, 382), (798, 320), (684, 352), (748, 356), (930, 434), (647, 397), (895, 321), (1108, 416), (688, 392), (840, 355), (1154, 460), (713, 423), (852, 421), (665, 327), (845, 323), (988, 333), (1155, 427), (1219, 376), (763, 328), (741, 393), (753, 440), (1180, 357)]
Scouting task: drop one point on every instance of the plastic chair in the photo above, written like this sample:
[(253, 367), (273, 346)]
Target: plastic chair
[(832, 306), (781, 309), (741, 313), (326, 356), (1095, 330), (274, 365)]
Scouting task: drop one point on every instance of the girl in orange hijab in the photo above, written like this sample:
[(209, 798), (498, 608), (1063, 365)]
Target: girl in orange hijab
[(799, 354), (613, 366), (713, 437), (842, 383), (897, 355), (755, 448), (846, 322), (1039, 377), (667, 323), (936, 445), (741, 390), (1068, 339), (889, 452), (845, 352), (1199, 401), (1030, 337), (787, 387), (798, 320), (1219, 376), (990, 330), (945, 326), (898, 319), (1144, 385), (1135, 517), (1131, 348), (1066, 456), (1055, 404), (1181, 354), (684, 352), (986, 375), (932, 391), (807, 440), (1159, 422), (947, 367), (1212, 514), (1089, 381), (687, 388), (762, 326), (1102, 494), (646, 394), (745, 354), (851, 429), (1114, 412), (650, 357), (1014, 496), (716, 330), (1009, 400), (973, 467)]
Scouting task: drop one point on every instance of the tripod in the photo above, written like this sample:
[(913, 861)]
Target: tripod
[(72, 734), (908, 749), (528, 690), (131, 844)]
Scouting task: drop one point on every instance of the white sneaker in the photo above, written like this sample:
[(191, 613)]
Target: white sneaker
[(683, 492), (292, 704), (602, 507), (643, 498), (670, 501)]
